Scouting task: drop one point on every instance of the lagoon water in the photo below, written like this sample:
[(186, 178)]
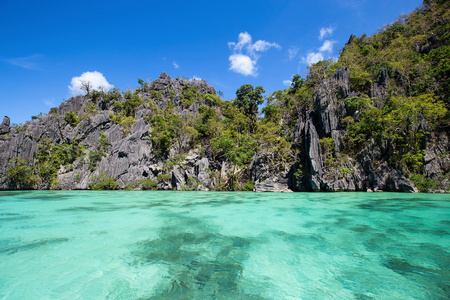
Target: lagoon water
[(236, 245)]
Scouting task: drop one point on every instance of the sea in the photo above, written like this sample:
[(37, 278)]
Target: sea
[(223, 245)]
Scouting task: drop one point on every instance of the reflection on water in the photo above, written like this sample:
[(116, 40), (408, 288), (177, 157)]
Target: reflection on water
[(197, 245)]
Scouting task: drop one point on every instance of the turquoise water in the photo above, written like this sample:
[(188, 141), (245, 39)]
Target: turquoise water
[(238, 245)]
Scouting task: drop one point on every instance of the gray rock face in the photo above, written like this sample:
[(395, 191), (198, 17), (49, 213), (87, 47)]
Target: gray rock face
[(178, 178), (385, 178), (313, 153), (73, 104), (378, 89), (326, 101), (130, 158), (170, 89), (192, 173), (272, 185), (370, 170), (5, 127)]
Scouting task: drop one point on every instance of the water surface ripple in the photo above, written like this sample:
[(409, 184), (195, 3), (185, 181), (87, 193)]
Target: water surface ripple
[(237, 245)]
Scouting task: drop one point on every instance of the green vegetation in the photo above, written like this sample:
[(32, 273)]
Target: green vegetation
[(102, 182), (20, 174), (414, 50), (409, 59), (400, 123), (248, 99), (248, 186), (51, 157), (148, 184), (71, 118), (96, 155)]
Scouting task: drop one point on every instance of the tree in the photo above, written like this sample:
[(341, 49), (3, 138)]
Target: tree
[(248, 99), (143, 84), (20, 174), (318, 72), (297, 83), (86, 86)]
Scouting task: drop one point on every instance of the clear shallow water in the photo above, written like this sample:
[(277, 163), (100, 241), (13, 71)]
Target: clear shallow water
[(206, 245)]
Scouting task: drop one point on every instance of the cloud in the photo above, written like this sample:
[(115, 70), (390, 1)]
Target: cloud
[(243, 64), (27, 62), (312, 58), (287, 82), (292, 52), (96, 79), (324, 31), (245, 56), (49, 102), (327, 46), (263, 46), (175, 65)]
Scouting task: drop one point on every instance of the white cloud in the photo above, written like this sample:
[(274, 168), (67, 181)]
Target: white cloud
[(175, 65), (27, 62), (262, 46), (313, 58), (96, 79), (324, 31), (244, 40), (292, 52), (287, 82), (243, 64), (49, 102), (327, 46), (245, 43), (244, 58)]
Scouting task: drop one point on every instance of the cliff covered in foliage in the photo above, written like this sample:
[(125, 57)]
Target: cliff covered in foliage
[(377, 119)]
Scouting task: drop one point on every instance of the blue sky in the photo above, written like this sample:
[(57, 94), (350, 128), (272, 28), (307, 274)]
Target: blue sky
[(45, 45)]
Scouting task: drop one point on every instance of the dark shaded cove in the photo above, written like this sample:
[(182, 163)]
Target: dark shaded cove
[(8, 247), (202, 264)]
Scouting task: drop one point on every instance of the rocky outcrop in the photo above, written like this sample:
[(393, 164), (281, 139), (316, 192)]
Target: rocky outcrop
[(130, 159), (272, 185), (378, 89), (4, 127), (313, 153), (368, 171)]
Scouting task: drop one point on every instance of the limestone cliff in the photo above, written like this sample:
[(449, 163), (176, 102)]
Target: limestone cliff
[(127, 150)]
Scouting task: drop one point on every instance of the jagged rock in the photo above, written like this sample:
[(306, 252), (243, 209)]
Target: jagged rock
[(272, 185), (5, 127), (201, 167), (130, 156), (259, 168), (384, 178), (141, 112), (162, 82), (378, 89), (202, 86), (326, 101), (177, 177), (313, 153), (437, 158), (73, 104)]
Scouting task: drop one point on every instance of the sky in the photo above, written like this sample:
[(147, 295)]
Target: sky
[(48, 48)]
